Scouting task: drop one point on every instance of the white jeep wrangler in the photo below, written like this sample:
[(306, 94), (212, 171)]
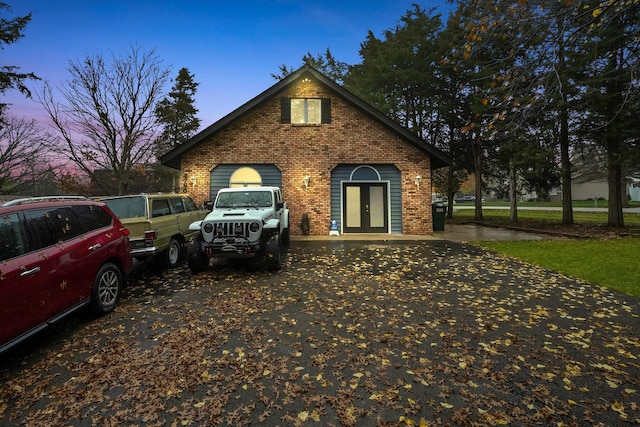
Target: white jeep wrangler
[(247, 222)]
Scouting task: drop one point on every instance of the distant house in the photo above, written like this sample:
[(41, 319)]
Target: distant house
[(334, 156), (595, 184), (634, 189), (589, 186)]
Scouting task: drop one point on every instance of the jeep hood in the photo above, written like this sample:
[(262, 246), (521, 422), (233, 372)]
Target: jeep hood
[(249, 214)]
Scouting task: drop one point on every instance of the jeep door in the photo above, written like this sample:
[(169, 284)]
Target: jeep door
[(280, 211)]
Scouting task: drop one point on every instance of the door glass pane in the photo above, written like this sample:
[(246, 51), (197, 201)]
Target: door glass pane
[(376, 200), (353, 206)]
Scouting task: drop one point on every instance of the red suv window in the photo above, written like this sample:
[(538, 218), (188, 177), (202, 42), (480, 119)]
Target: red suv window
[(12, 241)]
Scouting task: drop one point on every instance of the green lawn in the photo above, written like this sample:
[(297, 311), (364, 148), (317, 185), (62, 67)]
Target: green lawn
[(558, 204), (553, 217), (612, 263)]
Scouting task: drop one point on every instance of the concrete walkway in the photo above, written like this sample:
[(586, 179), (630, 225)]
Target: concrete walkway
[(454, 232)]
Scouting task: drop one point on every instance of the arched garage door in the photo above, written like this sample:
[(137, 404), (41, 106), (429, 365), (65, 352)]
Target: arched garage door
[(239, 175)]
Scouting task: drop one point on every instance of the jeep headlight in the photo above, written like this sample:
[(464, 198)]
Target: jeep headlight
[(208, 228), (254, 227)]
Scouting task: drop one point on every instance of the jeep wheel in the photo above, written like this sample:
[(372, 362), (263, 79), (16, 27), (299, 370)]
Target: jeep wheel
[(274, 253), (172, 256), (107, 287), (196, 259), (286, 236)]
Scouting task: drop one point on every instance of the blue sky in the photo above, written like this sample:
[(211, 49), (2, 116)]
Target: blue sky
[(232, 47)]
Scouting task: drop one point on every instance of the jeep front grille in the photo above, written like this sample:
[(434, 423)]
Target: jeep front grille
[(231, 229)]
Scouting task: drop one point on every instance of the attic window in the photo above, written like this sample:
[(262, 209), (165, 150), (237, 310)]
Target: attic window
[(301, 111), (305, 111)]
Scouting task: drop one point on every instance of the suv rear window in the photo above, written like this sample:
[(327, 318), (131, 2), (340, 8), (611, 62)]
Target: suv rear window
[(92, 217), (128, 207)]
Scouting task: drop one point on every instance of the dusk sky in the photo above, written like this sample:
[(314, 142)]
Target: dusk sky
[(232, 47)]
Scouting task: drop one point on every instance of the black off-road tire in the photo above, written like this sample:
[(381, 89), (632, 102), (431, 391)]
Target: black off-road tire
[(107, 288), (274, 253), (286, 236), (196, 259)]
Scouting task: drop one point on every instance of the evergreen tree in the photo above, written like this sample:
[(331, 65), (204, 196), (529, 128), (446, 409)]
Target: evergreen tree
[(399, 74), (611, 47), (177, 113), (327, 64), (11, 30)]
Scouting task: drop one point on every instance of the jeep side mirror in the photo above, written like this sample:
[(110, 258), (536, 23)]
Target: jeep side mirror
[(279, 205), (208, 205)]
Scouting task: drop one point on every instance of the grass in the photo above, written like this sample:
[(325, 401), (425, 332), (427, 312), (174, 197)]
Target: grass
[(558, 204), (630, 219), (610, 262)]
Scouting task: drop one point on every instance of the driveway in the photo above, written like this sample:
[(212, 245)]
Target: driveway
[(377, 333)]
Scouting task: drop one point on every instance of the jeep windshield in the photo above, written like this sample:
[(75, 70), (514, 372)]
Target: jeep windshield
[(244, 199), (128, 207)]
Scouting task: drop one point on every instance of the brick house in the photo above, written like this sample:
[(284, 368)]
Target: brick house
[(334, 156)]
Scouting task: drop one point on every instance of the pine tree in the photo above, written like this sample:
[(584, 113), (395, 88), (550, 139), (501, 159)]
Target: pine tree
[(611, 58), (177, 113), (11, 30)]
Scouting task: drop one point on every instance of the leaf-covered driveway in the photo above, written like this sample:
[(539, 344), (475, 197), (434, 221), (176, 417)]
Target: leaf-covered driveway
[(348, 333)]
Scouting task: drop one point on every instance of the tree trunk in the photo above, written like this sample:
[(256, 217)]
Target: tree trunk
[(450, 192), (565, 165), (563, 118), (614, 146), (477, 163), (615, 214), (513, 194)]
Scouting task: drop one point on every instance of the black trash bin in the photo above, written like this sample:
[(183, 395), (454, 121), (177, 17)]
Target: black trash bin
[(438, 212)]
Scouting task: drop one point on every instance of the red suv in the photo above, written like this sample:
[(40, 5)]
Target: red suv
[(57, 256)]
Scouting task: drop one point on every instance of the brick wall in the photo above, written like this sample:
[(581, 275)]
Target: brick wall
[(314, 150)]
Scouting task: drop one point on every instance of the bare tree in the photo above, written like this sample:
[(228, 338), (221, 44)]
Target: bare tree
[(105, 120), (23, 162)]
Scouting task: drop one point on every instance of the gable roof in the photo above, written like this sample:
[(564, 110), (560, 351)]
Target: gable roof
[(438, 158)]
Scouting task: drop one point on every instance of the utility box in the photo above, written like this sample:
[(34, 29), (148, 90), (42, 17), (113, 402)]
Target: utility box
[(438, 213)]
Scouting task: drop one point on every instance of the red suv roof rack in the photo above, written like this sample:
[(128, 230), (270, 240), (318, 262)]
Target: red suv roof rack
[(42, 199)]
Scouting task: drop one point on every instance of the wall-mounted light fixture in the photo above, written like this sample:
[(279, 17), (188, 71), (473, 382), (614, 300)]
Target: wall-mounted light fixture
[(417, 180), (193, 181), (305, 181)]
